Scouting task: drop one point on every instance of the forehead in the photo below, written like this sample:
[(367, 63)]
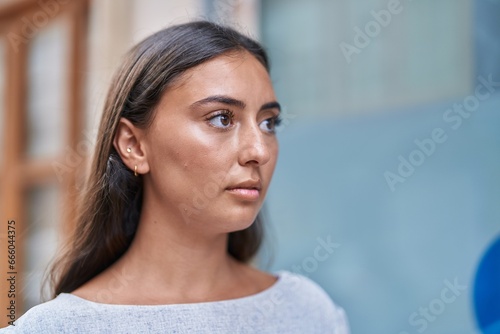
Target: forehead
[(238, 74)]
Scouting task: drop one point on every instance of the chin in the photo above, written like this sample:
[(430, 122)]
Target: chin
[(238, 223)]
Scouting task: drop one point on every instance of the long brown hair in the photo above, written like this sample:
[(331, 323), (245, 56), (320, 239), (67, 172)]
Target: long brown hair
[(111, 201)]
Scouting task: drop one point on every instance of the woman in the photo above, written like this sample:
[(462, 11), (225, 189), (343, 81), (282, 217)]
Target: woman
[(184, 157)]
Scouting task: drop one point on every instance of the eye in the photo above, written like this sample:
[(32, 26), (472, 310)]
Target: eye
[(222, 119), (270, 124)]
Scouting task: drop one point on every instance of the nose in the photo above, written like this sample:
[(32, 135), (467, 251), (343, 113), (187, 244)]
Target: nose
[(254, 147)]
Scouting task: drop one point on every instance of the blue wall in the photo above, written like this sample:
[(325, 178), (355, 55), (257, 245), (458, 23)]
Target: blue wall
[(396, 248), (419, 256)]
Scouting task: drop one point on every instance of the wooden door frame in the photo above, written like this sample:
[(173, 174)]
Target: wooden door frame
[(18, 174)]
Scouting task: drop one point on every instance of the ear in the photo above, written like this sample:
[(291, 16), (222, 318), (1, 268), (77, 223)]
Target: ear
[(127, 142)]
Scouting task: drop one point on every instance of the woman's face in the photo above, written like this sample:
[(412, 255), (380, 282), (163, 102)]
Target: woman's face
[(211, 149)]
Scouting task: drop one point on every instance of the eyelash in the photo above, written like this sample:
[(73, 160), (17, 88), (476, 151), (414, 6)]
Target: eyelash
[(276, 119), (228, 113)]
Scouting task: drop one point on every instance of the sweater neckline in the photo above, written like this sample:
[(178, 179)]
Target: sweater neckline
[(280, 275)]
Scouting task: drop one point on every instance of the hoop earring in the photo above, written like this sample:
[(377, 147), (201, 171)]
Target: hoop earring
[(135, 170)]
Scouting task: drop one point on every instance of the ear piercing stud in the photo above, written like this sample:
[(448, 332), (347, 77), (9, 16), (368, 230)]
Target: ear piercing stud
[(129, 149)]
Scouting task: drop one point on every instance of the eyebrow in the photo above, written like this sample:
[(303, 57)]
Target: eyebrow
[(233, 102)]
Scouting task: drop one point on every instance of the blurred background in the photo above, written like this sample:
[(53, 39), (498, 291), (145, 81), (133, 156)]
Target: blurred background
[(387, 189)]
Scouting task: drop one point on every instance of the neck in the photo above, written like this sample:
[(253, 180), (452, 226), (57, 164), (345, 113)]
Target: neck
[(176, 260), (172, 254)]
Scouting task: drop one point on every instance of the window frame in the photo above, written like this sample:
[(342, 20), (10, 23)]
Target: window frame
[(18, 174)]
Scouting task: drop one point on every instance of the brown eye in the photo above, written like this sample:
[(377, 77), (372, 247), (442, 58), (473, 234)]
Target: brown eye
[(222, 120), (225, 120), (270, 124)]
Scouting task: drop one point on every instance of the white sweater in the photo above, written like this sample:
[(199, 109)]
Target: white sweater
[(294, 304)]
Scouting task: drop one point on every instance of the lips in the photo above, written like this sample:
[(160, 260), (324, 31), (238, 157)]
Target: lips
[(248, 190), (249, 184)]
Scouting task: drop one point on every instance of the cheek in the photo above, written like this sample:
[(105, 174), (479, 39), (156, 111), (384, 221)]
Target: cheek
[(182, 159)]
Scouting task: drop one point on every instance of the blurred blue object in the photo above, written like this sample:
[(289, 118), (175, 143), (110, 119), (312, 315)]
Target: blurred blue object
[(487, 290)]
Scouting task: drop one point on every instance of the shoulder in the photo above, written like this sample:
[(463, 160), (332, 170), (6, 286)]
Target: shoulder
[(51, 316), (310, 300), (304, 289)]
